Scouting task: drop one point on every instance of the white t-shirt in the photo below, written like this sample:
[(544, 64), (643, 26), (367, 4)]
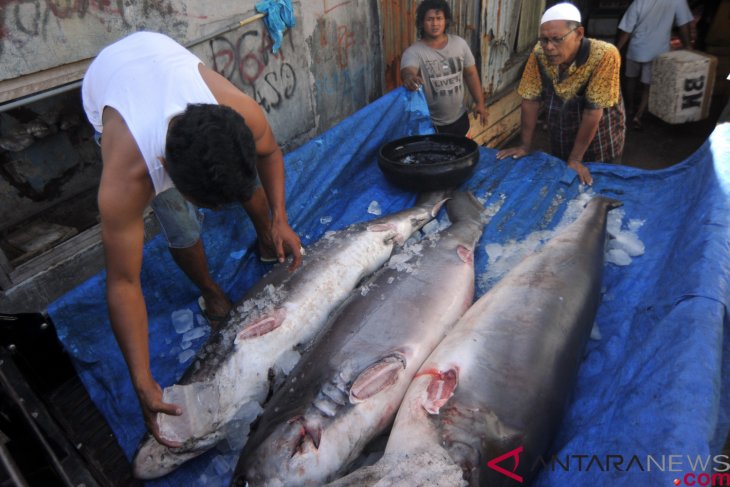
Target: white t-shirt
[(650, 24), (148, 78), (442, 71)]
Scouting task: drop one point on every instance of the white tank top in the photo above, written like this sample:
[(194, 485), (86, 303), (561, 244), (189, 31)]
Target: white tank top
[(148, 78)]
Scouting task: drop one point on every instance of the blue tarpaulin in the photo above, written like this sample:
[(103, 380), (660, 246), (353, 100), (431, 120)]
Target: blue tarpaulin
[(652, 386)]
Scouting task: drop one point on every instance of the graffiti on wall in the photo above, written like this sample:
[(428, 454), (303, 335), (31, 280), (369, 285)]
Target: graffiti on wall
[(248, 62), (278, 82)]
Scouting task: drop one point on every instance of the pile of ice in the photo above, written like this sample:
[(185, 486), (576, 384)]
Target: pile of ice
[(264, 301), (624, 242), (407, 259)]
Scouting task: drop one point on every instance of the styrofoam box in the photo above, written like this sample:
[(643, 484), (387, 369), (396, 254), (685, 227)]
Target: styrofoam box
[(681, 85)]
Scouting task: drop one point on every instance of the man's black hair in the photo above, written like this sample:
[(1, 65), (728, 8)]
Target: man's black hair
[(211, 155), (427, 5)]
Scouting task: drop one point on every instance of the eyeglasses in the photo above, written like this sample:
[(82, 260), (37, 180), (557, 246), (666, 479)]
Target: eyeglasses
[(555, 41)]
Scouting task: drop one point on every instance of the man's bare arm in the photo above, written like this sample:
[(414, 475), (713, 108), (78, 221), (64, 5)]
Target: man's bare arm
[(124, 192), (270, 166), (471, 78), (584, 137), (684, 36)]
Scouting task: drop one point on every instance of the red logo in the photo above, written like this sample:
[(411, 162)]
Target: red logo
[(514, 453)]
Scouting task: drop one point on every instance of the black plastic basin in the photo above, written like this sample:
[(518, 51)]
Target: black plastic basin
[(428, 162)]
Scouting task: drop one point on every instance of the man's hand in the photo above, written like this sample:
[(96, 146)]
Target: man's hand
[(513, 152), (481, 112), (284, 239), (150, 398), (412, 82), (583, 173)]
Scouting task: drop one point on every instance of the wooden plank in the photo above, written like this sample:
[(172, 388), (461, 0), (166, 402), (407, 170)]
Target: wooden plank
[(67, 249), (35, 238), (501, 131), (59, 253), (32, 293), (497, 110), (30, 84)]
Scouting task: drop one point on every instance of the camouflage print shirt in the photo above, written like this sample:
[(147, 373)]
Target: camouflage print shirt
[(592, 81)]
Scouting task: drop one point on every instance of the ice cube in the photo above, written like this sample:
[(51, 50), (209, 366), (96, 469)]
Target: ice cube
[(595, 332), (287, 361), (199, 403), (431, 227), (185, 355), (236, 431), (630, 243), (374, 208), (618, 257), (194, 334), (221, 465), (182, 320)]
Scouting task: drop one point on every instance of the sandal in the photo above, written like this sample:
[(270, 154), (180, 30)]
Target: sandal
[(266, 259)]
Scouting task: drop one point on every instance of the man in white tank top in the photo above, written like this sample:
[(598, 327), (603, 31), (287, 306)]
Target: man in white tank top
[(171, 126)]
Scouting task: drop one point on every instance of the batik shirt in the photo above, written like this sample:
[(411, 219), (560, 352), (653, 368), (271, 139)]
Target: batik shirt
[(590, 82)]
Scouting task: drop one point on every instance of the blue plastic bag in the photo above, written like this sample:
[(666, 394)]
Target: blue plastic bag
[(279, 16)]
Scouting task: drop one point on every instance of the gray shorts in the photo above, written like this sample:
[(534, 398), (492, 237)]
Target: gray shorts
[(180, 220), (635, 68)]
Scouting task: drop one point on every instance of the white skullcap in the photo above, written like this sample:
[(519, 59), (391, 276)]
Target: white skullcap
[(561, 11)]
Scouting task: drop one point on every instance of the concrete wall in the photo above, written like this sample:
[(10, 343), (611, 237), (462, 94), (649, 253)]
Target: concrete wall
[(329, 64)]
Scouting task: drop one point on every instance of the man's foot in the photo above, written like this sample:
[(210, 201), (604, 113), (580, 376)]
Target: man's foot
[(215, 310), (636, 124)]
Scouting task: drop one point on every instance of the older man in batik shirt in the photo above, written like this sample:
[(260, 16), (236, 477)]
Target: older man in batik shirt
[(578, 80)]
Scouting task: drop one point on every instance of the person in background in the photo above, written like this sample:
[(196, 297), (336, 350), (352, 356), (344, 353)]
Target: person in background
[(647, 27), (578, 80), (442, 63), (175, 133)]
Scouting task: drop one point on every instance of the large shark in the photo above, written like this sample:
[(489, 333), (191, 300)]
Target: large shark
[(224, 388), (487, 403), (347, 389)]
